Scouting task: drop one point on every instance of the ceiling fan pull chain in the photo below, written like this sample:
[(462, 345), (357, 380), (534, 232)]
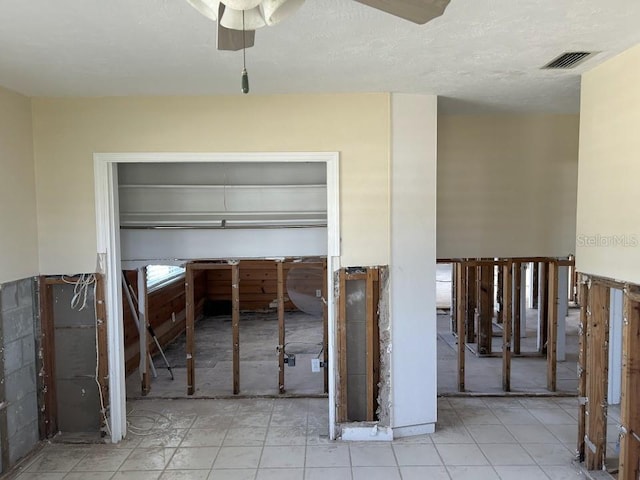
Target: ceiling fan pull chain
[(245, 75)]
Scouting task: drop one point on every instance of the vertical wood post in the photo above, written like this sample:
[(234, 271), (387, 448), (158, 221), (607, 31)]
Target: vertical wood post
[(582, 367), (342, 346), (102, 346), (144, 340), (370, 340), (535, 269), (190, 328), (517, 300), (500, 294), (281, 326), (629, 411), (47, 330), (485, 325), (325, 326), (543, 305), (507, 319), (552, 325), (235, 325), (461, 280), (597, 376)]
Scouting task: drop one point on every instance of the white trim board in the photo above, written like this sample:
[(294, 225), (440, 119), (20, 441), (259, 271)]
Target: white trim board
[(108, 248)]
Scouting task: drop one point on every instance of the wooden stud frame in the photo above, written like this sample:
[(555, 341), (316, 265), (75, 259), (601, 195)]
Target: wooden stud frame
[(507, 321), (552, 325), (342, 346), (325, 326), (50, 413), (190, 328), (281, 325), (582, 366), (629, 468), (517, 298), (101, 334), (235, 325), (597, 376), (485, 323), (461, 281)]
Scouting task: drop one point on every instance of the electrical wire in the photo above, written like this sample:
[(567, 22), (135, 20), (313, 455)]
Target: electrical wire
[(153, 417), (80, 289)]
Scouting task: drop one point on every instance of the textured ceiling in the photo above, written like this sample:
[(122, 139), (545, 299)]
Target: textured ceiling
[(482, 55)]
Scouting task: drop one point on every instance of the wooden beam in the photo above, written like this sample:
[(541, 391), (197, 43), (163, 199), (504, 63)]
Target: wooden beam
[(102, 346), (461, 280), (582, 367), (190, 329), (472, 289), (543, 306), (485, 324), (597, 376), (535, 269), (235, 325), (325, 326), (210, 266), (342, 347), (552, 325), (507, 319), (47, 332), (370, 340), (629, 412), (281, 327), (143, 305), (517, 300), (376, 338), (500, 294)]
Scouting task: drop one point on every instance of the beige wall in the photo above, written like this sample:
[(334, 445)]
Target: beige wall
[(608, 224), (507, 185), (68, 131), (18, 226)]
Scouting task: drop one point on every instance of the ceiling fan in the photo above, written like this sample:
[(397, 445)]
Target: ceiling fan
[(239, 19)]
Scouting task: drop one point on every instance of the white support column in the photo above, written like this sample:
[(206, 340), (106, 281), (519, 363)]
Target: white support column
[(615, 346), (542, 279), (413, 263), (523, 299), (563, 311)]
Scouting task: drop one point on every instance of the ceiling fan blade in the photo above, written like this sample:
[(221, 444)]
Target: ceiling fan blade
[(416, 11), (234, 40)]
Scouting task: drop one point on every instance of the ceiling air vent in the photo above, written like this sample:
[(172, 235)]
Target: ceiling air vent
[(567, 60)]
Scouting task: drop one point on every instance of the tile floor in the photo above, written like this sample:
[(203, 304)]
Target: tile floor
[(286, 439)]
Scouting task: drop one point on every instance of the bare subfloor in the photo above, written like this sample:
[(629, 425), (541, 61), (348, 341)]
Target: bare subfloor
[(528, 374), (258, 358)]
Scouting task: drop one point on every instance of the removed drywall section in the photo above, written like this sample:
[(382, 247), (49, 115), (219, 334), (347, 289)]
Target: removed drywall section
[(20, 417), (384, 330), (513, 172), (18, 241), (75, 351)]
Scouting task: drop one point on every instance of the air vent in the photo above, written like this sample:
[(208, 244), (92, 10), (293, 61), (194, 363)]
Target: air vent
[(567, 60)]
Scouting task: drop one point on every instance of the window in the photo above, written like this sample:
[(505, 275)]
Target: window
[(158, 275)]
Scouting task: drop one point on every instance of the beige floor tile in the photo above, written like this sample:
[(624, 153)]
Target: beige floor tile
[(417, 455), (283, 457), (58, 458), (461, 454), (532, 434), (89, 475), (549, 454), (245, 437), (185, 475), (332, 473), (328, 456), (204, 437), (562, 472), (375, 473), (233, 474), (138, 475), (424, 473), (458, 434), (515, 416), (478, 416), (501, 454), (278, 436), (372, 455), (552, 416), (167, 438), (238, 457), (193, 458), (472, 473), (519, 473), (41, 476), (102, 459), (255, 419), (490, 434), (143, 459), (280, 474)]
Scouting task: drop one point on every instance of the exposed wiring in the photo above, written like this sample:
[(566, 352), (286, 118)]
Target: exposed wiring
[(80, 289)]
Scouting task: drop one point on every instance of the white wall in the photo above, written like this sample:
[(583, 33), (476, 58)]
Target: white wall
[(413, 267), (18, 223), (507, 185), (608, 230)]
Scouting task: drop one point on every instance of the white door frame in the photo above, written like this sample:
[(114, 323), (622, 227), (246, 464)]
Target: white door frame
[(108, 242)]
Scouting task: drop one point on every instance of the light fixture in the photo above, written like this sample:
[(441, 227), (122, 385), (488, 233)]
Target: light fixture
[(258, 13)]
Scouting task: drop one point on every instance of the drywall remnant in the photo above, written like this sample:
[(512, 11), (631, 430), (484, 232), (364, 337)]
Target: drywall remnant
[(384, 326)]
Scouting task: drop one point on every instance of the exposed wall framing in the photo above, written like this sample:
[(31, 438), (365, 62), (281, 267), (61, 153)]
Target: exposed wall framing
[(371, 278), (475, 301), (277, 270), (594, 298)]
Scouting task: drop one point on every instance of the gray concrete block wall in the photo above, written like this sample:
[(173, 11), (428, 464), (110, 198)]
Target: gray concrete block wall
[(18, 319)]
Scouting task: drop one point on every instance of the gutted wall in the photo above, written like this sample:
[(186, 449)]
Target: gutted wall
[(507, 185), (19, 416), (68, 131), (18, 241), (608, 231)]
